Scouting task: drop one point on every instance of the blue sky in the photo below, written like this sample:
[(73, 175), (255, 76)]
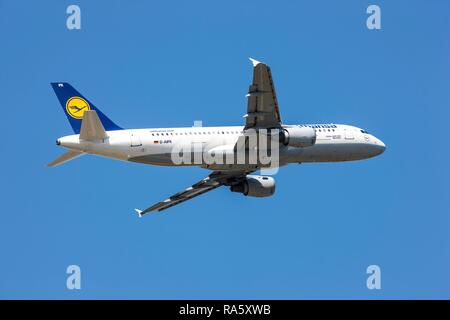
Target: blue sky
[(168, 63)]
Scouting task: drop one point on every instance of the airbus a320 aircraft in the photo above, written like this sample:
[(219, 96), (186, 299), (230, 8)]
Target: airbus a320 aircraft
[(96, 134)]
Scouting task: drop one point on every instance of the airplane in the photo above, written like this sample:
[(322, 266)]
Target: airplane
[(95, 133)]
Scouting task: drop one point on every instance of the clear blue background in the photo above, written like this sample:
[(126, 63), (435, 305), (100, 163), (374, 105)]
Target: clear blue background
[(168, 63)]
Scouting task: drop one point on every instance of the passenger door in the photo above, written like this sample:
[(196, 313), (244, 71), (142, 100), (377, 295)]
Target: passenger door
[(135, 140), (349, 134)]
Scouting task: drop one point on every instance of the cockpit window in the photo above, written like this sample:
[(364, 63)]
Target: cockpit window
[(364, 131)]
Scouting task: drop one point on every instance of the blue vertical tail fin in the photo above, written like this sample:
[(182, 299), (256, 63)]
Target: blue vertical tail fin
[(74, 105)]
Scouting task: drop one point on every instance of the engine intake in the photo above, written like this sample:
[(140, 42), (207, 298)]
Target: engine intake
[(299, 137), (255, 186)]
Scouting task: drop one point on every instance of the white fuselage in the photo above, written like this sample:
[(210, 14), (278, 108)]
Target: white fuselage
[(154, 146)]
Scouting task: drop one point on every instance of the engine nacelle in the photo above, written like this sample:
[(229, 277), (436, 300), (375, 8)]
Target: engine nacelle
[(255, 186), (299, 137)]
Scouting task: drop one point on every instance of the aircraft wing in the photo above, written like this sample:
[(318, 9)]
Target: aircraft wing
[(262, 109), (211, 182)]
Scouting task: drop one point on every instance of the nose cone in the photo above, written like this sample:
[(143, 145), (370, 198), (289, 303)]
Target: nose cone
[(379, 146)]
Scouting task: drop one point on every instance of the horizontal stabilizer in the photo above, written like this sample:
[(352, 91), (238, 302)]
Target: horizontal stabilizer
[(69, 155), (91, 127)]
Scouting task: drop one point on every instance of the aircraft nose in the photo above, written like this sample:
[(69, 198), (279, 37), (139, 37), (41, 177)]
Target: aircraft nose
[(379, 146)]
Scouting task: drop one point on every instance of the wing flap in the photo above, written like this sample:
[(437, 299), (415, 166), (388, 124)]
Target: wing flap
[(195, 190), (262, 108), (168, 203), (211, 182)]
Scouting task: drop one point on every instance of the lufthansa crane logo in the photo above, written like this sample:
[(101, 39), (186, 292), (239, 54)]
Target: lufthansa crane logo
[(76, 107)]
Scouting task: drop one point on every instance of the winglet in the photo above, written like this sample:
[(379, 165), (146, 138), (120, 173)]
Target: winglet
[(255, 62), (139, 212)]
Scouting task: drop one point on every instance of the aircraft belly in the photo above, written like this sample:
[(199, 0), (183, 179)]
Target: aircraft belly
[(326, 152), (158, 159), (320, 152)]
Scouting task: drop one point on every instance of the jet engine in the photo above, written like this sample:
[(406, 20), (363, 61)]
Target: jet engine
[(255, 186), (299, 137)]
